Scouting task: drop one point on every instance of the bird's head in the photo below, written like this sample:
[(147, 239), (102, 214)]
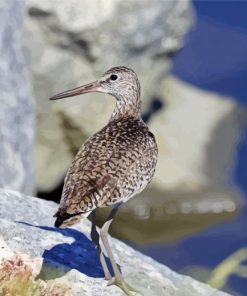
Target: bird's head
[(120, 82)]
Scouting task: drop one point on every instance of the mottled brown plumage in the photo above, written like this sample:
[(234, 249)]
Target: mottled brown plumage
[(114, 164), (118, 161)]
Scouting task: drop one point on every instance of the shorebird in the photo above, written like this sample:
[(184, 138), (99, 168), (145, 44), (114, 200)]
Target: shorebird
[(112, 166)]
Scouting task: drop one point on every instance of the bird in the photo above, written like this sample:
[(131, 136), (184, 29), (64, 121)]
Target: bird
[(112, 166)]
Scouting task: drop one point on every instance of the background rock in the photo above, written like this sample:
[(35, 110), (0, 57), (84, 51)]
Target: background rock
[(26, 226), (16, 112), (69, 43)]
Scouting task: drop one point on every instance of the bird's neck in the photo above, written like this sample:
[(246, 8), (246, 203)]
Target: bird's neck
[(127, 106)]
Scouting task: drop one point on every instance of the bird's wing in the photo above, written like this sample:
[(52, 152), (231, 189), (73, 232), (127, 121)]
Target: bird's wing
[(110, 167), (102, 173), (133, 174), (85, 182)]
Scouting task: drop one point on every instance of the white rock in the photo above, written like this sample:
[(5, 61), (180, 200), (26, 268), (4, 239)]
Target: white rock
[(197, 134), (70, 42), (16, 112), (75, 261)]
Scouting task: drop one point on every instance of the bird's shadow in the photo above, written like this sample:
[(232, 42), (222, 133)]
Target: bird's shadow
[(80, 255)]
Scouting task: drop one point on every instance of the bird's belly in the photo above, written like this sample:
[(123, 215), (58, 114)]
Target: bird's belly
[(138, 190), (132, 185)]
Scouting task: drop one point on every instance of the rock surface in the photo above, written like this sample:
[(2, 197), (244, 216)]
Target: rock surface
[(26, 226), (16, 112), (191, 132), (73, 42)]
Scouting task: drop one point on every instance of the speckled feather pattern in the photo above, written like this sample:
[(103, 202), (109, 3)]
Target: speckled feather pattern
[(111, 166)]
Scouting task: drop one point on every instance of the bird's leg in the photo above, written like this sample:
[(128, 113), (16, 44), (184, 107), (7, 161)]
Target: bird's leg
[(118, 278), (95, 239)]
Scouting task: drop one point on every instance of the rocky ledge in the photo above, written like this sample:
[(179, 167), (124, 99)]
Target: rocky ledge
[(65, 260)]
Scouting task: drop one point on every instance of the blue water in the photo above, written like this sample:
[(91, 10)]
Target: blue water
[(214, 58), (206, 249)]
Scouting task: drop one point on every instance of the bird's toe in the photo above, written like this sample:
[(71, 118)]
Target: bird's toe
[(124, 286)]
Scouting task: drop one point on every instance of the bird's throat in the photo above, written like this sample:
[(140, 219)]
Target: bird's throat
[(127, 107)]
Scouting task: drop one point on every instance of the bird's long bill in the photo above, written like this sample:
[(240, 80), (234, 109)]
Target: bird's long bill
[(87, 88)]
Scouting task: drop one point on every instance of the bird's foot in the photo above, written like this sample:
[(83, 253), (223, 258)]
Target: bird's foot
[(126, 288)]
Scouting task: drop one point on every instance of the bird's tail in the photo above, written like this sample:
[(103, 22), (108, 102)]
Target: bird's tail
[(65, 219)]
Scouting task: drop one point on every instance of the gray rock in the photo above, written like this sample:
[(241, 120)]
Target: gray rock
[(16, 112), (191, 132), (26, 226), (70, 42)]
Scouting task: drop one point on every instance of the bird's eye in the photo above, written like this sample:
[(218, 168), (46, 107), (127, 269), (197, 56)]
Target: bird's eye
[(113, 77)]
